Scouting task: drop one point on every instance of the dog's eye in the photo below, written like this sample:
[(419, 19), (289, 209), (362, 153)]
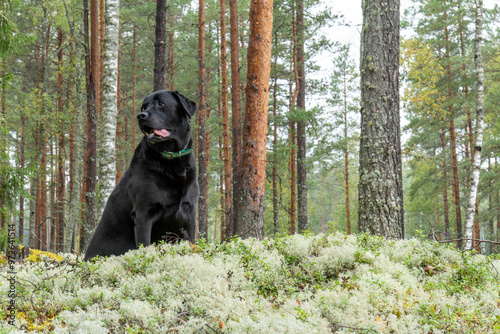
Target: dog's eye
[(161, 104), (142, 108)]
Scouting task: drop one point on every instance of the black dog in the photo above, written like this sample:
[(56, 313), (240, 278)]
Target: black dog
[(157, 195)]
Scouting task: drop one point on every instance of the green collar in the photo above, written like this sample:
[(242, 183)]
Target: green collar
[(172, 155)]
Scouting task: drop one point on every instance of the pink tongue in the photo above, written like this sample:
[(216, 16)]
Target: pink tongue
[(162, 133)]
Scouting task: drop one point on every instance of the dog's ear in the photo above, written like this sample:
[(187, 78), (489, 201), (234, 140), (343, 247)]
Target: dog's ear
[(188, 105)]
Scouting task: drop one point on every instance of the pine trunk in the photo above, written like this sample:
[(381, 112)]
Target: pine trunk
[(91, 144), (52, 221), (201, 115), (346, 162), (119, 118), (41, 213), (275, 142), (225, 120), (134, 80), (171, 59), (291, 167), (478, 145), (159, 69), (301, 124), (255, 123), (61, 178), (380, 183), (223, 228), (453, 145), (235, 112), (21, 158), (445, 185)]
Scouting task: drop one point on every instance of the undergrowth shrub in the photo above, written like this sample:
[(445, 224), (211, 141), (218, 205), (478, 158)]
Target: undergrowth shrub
[(295, 284)]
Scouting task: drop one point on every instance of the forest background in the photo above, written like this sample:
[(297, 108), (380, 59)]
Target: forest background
[(44, 122)]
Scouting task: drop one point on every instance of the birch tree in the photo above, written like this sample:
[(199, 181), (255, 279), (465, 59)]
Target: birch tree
[(478, 144), (107, 155)]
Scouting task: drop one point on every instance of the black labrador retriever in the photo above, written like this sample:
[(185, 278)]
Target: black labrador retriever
[(156, 197)]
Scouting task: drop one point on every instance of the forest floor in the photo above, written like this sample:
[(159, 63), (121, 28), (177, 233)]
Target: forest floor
[(332, 283)]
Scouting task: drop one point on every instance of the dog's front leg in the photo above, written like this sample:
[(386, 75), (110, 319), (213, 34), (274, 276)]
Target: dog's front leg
[(187, 204), (144, 221)]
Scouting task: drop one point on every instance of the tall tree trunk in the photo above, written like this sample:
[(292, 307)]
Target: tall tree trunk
[(102, 36), (275, 140), (119, 118), (478, 145), (453, 145), (301, 123), (225, 120), (291, 166), (91, 126), (107, 156), (61, 177), (21, 158), (346, 162), (171, 56), (42, 181), (201, 114), (445, 185), (292, 135), (159, 69), (380, 181), (223, 228), (468, 128), (255, 123), (52, 221), (235, 112), (42, 196), (134, 80)]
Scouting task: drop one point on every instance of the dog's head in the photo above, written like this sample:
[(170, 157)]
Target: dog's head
[(164, 120)]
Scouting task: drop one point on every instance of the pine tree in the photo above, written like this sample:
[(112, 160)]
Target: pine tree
[(380, 186), (255, 123)]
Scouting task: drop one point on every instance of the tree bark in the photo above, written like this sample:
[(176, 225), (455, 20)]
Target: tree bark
[(107, 156), (171, 56), (346, 163), (478, 145), (41, 213), (134, 80), (275, 140), (91, 147), (61, 177), (255, 123), (236, 112), (453, 145), (22, 160), (201, 119), (291, 166), (119, 118), (159, 69), (225, 121), (380, 185), (445, 185), (301, 123)]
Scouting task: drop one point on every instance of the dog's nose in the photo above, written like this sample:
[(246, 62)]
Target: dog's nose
[(142, 115)]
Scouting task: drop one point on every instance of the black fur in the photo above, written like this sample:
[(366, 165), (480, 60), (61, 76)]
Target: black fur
[(156, 197)]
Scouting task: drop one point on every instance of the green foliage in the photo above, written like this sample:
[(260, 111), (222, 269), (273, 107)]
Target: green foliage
[(439, 86)]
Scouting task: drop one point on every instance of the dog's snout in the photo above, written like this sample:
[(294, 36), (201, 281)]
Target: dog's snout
[(142, 115)]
